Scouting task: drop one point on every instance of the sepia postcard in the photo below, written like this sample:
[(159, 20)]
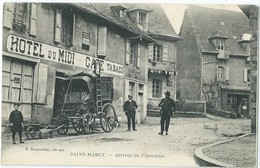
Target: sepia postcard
[(129, 84)]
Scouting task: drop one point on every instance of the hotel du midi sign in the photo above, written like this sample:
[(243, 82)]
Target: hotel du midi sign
[(27, 47)]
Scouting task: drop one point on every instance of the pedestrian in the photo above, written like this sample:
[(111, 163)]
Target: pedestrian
[(129, 109), (167, 108), (16, 122)]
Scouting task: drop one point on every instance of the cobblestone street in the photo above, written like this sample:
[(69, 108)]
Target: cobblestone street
[(130, 148)]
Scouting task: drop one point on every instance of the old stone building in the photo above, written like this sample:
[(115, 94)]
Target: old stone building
[(213, 59), (43, 42)]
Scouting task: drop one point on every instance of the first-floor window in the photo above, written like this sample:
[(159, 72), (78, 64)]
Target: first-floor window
[(20, 16), (133, 53), (157, 88), (221, 73), (157, 53)]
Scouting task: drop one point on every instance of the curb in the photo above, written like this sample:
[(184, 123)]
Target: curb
[(199, 154)]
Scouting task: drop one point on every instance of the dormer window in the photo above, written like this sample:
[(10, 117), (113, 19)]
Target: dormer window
[(119, 10), (121, 13), (218, 39), (142, 20), (244, 42), (220, 44)]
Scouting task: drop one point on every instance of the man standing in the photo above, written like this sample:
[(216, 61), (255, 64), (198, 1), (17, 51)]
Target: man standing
[(167, 108), (129, 109), (16, 122)]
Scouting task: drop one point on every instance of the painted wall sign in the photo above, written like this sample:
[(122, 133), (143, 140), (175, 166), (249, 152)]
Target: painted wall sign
[(27, 47)]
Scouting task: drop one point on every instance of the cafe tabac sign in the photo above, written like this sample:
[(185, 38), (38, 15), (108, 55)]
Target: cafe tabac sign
[(27, 47)]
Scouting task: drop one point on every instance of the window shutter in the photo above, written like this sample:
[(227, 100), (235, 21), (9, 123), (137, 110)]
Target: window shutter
[(33, 19), (126, 89), (127, 56), (42, 83), (227, 73), (138, 56), (245, 74), (150, 89), (137, 17), (146, 23), (57, 33), (102, 40), (150, 50), (165, 53), (8, 15), (73, 29), (217, 77)]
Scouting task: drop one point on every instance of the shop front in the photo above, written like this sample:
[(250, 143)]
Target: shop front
[(33, 73), (235, 100)]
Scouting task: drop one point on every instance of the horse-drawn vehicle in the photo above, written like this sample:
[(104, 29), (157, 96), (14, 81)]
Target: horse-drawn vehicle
[(85, 102)]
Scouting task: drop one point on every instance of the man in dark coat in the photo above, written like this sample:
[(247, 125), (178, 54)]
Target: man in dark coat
[(167, 108), (129, 109), (16, 122)]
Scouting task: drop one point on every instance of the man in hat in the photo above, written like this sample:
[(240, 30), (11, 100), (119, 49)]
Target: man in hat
[(16, 122), (167, 108), (129, 109)]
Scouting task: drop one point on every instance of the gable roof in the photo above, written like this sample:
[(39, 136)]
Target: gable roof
[(104, 10), (159, 24), (206, 21)]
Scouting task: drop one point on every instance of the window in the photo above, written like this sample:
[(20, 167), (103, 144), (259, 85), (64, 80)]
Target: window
[(64, 25), (248, 75), (157, 53), (157, 88), (220, 44), (66, 28), (133, 53), (121, 13), (221, 73), (142, 17), (131, 88), (19, 17), (142, 20)]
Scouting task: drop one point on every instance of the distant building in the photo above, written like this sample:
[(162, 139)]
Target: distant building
[(161, 60), (213, 59)]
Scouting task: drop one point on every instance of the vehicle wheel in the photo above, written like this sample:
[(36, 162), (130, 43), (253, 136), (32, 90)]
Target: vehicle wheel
[(78, 125), (30, 132), (108, 118), (89, 123), (62, 123)]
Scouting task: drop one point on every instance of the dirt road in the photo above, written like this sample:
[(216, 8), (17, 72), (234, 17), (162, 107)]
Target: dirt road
[(120, 147)]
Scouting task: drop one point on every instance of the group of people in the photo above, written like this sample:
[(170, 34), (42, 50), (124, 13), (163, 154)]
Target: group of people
[(167, 106)]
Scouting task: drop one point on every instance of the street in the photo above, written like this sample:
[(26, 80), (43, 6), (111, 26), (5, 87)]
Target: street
[(143, 147)]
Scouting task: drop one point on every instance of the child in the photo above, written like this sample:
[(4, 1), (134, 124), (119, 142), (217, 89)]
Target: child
[(16, 122)]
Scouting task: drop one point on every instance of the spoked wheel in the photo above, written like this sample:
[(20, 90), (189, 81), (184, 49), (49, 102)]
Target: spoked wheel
[(78, 125), (30, 132), (89, 123), (108, 119), (62, 123)]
